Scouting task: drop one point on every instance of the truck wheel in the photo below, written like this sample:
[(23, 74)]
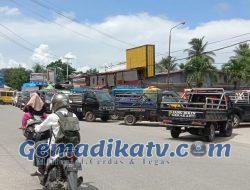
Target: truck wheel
[(210, 133), (90, 116), (175, 132), (236, 121), (130, 120), (227, 129), (105, 118)]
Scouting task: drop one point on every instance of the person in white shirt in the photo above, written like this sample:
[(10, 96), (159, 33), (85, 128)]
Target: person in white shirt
[(60, 103)]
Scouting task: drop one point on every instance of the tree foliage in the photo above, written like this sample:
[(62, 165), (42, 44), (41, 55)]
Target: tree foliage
[(198, 69), (168, 64), (238, 67), (199, 65), (38, 68), (61, 69), (92, 71), (15, 77)]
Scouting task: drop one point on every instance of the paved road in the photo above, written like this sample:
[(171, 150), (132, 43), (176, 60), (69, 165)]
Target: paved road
[(189, 173)]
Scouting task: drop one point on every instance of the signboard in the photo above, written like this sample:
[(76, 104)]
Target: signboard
[(142, 57), (51, 76), (39, 77)]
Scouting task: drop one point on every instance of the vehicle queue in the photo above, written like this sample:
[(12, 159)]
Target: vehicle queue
[(199, 111)]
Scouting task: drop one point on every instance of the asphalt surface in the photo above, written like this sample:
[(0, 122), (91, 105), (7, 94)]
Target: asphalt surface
[(174, 174)]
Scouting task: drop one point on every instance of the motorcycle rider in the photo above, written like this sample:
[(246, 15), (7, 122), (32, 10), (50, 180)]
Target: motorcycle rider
[(60, 103), (34, 107)]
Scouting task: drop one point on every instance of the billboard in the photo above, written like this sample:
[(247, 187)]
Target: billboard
[(38, 77), (142, 57)]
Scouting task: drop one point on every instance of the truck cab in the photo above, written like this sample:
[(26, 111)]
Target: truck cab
[(91, 104), (241, 105)]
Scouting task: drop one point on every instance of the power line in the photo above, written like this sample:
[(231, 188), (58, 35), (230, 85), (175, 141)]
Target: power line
[(65, 27), (15, 42), (23, 39), (213, 42), (218, 49), (49, 7)]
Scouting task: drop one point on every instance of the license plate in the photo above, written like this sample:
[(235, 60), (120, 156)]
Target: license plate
[(186, 114)]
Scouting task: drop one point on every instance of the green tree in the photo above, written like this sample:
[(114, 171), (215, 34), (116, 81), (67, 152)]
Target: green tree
[(197, 69), (169, 65), (238, 67), (38, 68), (15, 77), (198, 48), (61, 69), (199, 65), (182, 66), (92, 71)]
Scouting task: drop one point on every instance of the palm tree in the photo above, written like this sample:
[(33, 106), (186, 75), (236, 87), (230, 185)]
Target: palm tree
[(169, 65), (234, 71), (198, 49), (238, 67), (197, 69), (199, 65)]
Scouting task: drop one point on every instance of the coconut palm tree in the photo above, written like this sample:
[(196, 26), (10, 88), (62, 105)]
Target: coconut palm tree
[(199, 65), (198, 69), (238, 67), (198, 48), (169, 65)]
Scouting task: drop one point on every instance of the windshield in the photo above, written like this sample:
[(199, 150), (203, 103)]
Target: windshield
[(103, 96)]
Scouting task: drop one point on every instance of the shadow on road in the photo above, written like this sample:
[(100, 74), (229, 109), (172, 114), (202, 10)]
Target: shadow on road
[(145, 125), (193, 138), (84, 186), (244, 125), (88, 186)]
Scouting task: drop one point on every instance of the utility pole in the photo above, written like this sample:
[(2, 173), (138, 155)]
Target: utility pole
[(169, 50), (68, 61)]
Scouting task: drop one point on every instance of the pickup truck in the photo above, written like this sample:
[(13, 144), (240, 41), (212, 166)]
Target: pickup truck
[(145, 107), (241, 104), (207, 111)]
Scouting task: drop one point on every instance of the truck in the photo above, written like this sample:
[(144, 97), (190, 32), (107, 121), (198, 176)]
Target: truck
[(241, 104), (147, 107), (207, 110), (91, 104)]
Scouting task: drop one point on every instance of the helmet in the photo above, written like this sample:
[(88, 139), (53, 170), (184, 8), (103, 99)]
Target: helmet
[(59, 101)]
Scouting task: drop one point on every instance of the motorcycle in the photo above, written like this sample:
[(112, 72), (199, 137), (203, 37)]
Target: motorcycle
[(61, 173)]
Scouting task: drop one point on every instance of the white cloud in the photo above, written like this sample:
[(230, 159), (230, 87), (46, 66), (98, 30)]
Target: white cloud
[(94, 50), (9, 11), (42, 55)]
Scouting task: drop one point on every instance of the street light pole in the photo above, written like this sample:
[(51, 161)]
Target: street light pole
[(169, 50)]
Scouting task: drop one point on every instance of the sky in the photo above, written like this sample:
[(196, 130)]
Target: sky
[(41, 31)]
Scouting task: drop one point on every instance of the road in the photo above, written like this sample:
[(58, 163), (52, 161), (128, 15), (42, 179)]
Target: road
[(177, 173)]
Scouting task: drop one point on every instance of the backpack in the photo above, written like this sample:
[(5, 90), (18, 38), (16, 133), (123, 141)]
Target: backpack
[(69, 129)]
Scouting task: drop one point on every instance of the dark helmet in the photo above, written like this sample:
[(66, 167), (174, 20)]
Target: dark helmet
[(59, 101)]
